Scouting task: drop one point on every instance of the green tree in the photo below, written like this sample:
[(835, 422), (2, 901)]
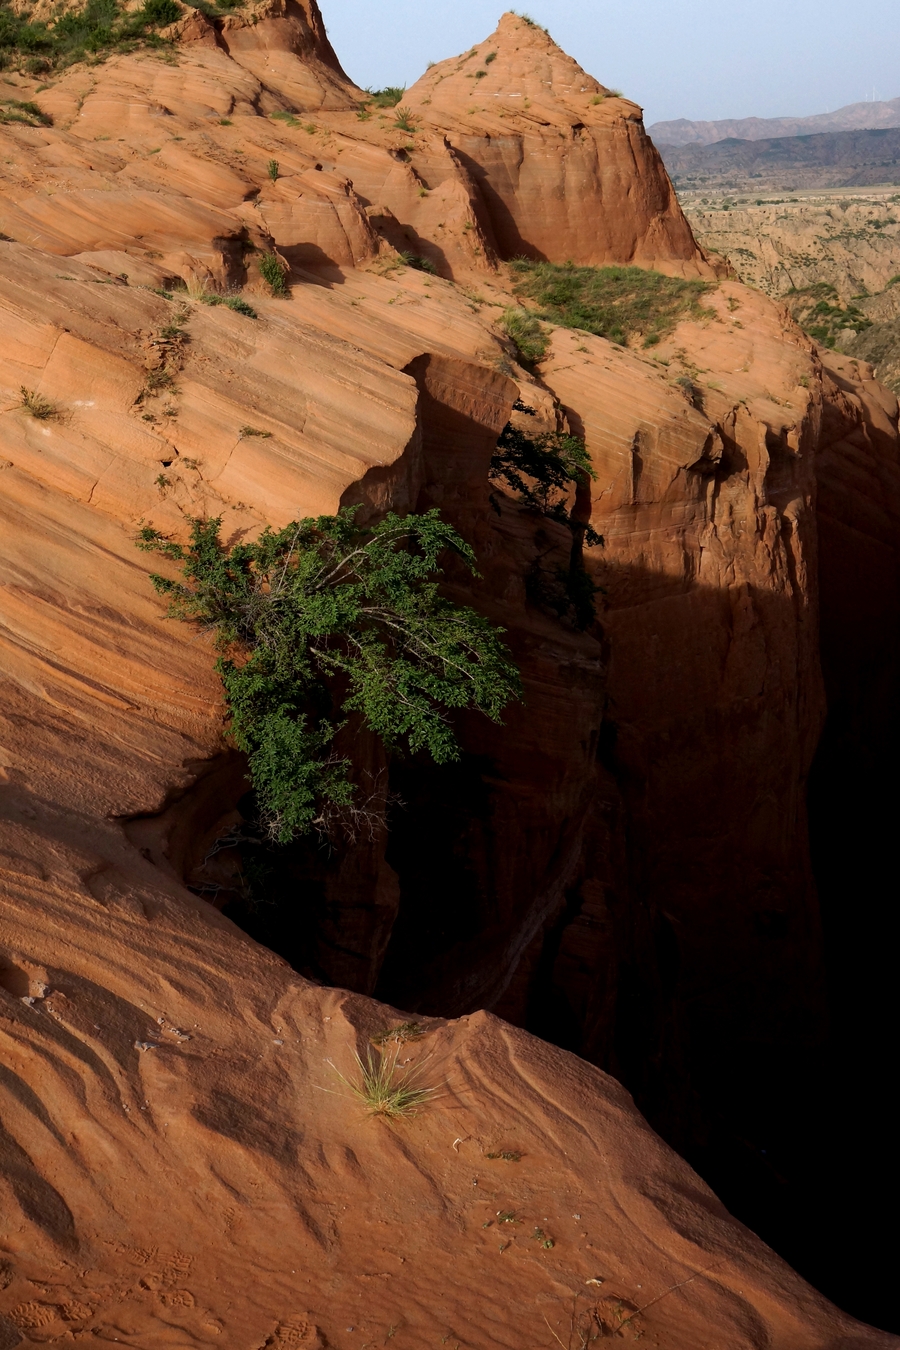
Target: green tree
[(325, 619), (542, 470)]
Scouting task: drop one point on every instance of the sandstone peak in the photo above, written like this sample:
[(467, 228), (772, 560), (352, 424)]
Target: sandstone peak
[(519, 71), (179, 1160), (542, 138), (285, 45)]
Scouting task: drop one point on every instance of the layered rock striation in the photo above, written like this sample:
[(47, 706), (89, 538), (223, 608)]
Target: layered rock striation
[(623, 866)]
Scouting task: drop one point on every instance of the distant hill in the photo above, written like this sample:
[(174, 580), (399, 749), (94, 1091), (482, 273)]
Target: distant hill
[(854, 117), (841, 159)]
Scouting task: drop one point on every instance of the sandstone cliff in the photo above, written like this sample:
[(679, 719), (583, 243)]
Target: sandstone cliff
[(182, 1164)]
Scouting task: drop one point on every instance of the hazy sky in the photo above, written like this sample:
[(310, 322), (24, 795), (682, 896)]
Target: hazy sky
[(678, 58)]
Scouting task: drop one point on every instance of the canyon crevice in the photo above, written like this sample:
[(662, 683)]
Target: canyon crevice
[(622, 868)]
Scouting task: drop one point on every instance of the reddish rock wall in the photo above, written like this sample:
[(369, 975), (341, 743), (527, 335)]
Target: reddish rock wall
[(623, 866)]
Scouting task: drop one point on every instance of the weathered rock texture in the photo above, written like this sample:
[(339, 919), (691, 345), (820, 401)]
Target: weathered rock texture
[(623, 866), (565, 168), (851, 243)]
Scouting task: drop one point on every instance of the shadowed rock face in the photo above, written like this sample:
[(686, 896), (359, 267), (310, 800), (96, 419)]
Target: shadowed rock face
[(623, 867)]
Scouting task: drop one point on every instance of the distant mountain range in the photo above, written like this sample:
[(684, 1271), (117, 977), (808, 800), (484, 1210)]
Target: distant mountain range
[(841, 159), (854, 117)]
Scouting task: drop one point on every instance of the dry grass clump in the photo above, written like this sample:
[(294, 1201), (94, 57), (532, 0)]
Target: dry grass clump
[(385, 1089), (36, 404)]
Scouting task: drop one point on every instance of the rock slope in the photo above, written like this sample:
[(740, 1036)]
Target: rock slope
[(183, 1163)]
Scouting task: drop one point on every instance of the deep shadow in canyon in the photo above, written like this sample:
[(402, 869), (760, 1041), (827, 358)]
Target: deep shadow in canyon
[(787, 1115), (626, 868)]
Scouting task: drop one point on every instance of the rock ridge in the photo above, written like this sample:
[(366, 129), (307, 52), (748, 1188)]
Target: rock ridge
[(181, 1162)]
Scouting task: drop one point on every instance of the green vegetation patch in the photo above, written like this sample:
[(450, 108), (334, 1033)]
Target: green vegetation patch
[(404, 122), (388, 97), (29, 114), (274, 273), (325, 621), (819, 312), (101, 27), (880, 344), (526, 332), (417, 262), (217, 10), (547, 471), (619, 303), (235, 302)]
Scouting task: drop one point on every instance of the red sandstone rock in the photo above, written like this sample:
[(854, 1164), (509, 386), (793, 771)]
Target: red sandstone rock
[(565, 168), (181, 1163)]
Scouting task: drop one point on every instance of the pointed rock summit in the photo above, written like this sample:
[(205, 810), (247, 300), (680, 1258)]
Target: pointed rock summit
[(564, 163), (519, 71), (284, 44)]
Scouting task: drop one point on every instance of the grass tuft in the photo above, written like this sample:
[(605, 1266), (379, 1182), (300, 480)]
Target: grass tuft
[(406, 1031), (404, 121), (385, 1090), (619, 303), (234, 302), (36, 404), (274, 273), (388, 97), (526, 332), (417, 262)]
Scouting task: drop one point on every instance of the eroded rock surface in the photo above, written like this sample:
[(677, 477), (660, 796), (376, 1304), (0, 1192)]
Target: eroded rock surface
[(183, 1164)]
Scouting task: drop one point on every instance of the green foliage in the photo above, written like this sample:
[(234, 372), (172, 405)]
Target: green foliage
[(273, 272), (272, 169), (388, 97), (287, 117), (215, 11), (618, 303), (526, 332), (14, 110), (160, 13), (542, 470), (235, 302), (403, 121), (415, 260), (324, 620), (102, 26), (491, 56), (819, 311)]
